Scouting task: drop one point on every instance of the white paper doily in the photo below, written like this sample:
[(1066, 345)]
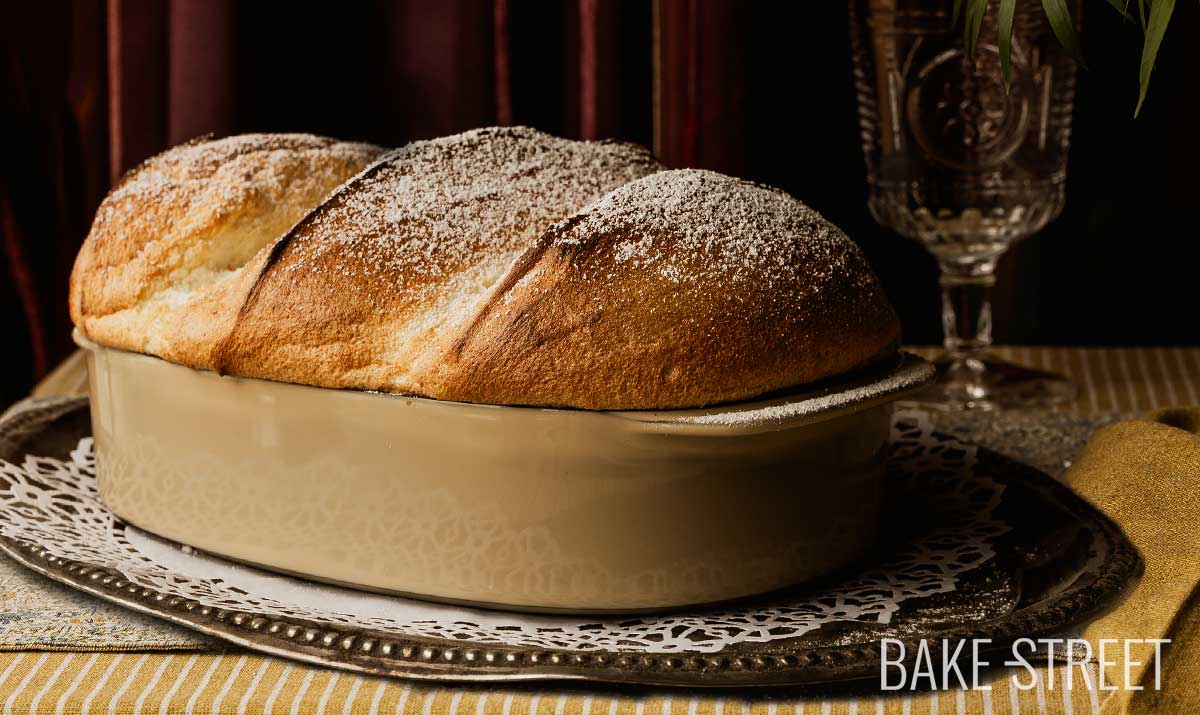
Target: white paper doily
[(54, 503)]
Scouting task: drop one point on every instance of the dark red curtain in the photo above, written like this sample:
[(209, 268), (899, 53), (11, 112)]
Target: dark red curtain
[(761, 89), (54, 171)]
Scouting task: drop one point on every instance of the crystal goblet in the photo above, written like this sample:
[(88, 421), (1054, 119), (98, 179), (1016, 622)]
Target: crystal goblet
[(965, 165)]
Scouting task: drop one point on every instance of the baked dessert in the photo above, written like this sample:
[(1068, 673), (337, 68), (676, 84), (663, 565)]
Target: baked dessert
[(498, 266), (488, 270)]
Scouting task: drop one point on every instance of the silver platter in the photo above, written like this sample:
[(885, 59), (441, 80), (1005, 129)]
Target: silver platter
[(1008, 553)]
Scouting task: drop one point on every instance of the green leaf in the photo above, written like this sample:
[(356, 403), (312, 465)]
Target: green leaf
[(957, 13), (1004, 41), (1064, 29), (1142, 12), (1121, 7), (976, 9), (1156, 26)]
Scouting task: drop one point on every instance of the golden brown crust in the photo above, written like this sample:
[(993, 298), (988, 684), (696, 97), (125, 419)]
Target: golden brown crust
[(165, 267), (682, 289), (497, 266), (370, 289)]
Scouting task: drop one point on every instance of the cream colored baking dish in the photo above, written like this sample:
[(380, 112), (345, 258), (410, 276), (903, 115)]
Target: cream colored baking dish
[(508, 506)]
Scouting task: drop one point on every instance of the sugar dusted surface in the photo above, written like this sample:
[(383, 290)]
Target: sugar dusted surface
[(427, 210), (191, 172), (173, 240), (702, 228)]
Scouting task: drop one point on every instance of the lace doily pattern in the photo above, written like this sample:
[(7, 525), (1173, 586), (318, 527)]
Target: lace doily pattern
[(51, 519), (54, 503)]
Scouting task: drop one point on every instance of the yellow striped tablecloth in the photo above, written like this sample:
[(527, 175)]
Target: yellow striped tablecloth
[(1125, 380), (244, 683)]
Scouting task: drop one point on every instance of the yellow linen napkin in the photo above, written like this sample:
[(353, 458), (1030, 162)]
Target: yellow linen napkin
[(1144, 474)]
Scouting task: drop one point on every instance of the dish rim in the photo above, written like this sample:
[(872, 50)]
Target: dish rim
[(886, 380)]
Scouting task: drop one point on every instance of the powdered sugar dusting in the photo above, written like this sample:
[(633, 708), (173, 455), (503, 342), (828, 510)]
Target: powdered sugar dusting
[(704, 228), (430, 209), (189, 176)]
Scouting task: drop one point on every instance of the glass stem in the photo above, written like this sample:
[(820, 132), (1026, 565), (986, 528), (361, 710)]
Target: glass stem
[(967, 310)]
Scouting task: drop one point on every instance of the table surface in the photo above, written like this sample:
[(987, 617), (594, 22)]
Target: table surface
[(1126, 380)]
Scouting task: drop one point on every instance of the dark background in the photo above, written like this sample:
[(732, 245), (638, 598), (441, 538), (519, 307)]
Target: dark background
[(760, 89)]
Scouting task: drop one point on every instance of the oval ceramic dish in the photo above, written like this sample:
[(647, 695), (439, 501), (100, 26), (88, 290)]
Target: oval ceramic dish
[(525, 508)]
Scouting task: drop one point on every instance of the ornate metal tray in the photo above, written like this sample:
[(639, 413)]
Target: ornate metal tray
[(978, 546)]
